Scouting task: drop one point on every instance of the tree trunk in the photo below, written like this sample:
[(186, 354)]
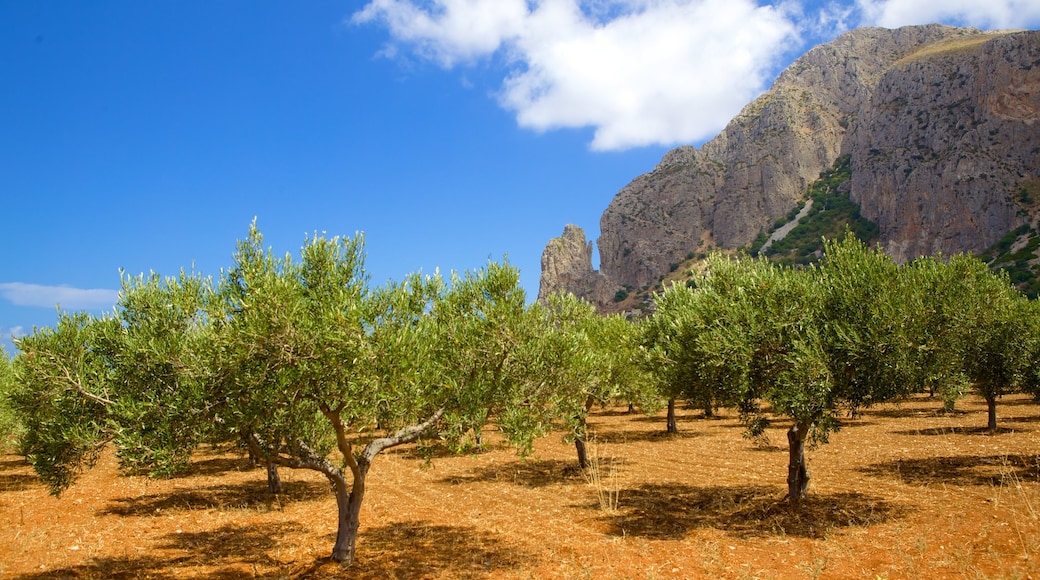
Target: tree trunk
[(709, 410), (583, 456), (274, 481), (672, 428), (348, 503), (797, 469), (991, 408)]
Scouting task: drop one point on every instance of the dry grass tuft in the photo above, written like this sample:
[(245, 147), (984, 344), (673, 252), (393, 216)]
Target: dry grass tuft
[(602, 477)]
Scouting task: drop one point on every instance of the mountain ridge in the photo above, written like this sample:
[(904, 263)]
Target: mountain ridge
[(864, 95)]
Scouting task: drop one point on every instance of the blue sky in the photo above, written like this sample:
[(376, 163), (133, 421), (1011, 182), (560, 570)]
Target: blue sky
[(147, 136)]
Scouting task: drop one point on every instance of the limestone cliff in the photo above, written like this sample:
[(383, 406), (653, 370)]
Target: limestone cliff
[(939, 123), (567, 265), (949, 139)]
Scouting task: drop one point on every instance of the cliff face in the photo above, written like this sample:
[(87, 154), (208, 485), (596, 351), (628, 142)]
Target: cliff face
[(948, 140), (567, 265), (759, 166), (940, 124)]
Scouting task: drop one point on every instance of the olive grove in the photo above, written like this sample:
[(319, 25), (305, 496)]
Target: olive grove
[(299, 358), (820, 343)]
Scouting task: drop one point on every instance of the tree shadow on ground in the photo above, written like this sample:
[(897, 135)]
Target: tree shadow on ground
[(441, 451), (234, 552), (940, 431), (525, 473), (18, 481), (621, 437), (23, 479), (215, 466), (670, 511), (960, 469), (244, 495), (615, 412), (420, 549), (906, 412), (1023, 419), (9, 464)]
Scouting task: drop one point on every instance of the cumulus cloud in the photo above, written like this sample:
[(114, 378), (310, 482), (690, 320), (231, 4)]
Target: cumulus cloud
[(640, 72), (452, 30), (69, 298), (987, 15)]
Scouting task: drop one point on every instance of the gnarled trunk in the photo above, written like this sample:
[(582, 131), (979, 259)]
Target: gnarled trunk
[(797, 469), (991, 413), (582, 437), (348, 504), (274, 481), (672, 427), (583, 455)]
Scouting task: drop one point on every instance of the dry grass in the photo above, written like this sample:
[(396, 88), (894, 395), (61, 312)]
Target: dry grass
[(602, 476), (901, 492), (950, 46)]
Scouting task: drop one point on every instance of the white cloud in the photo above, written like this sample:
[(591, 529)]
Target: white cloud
[(986, 14), (13, 332), (69, 298), (640, 72), (454, 30)]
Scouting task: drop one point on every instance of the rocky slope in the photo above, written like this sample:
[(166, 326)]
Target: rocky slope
[(950, 138), (938, 121)]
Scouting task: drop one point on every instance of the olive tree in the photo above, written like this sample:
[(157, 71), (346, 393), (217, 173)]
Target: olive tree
[(973, 330), (135, 379), (814, 343), (603, 364), (993, 330), (682, 349), (323, 373), (936, 295), (10, 428)]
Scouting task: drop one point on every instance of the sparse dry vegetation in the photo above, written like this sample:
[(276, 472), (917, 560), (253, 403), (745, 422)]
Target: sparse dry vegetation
[(950, 46)]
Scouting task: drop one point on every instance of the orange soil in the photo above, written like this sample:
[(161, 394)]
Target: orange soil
[(900, 492)]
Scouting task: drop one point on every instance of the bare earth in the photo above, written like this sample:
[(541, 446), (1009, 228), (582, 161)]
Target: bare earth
[(901, 492)]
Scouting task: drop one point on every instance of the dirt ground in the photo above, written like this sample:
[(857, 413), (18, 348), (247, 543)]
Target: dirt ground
[(900, 492)]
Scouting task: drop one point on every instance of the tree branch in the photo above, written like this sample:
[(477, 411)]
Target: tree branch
[(305, 457), (342, 442), (78, 385), (404, 435)]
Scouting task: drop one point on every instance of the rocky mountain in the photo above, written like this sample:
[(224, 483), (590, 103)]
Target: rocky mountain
[(567, 265), (939, 123)]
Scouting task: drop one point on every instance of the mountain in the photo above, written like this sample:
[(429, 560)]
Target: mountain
[(939, 126)]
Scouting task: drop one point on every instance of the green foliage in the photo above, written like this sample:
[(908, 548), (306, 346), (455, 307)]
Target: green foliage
[(61, 396), (158, 371), (832, 213), (10, 427), (743, 334), (821, 342), (309, 365), (1019, 264), (602, 359)]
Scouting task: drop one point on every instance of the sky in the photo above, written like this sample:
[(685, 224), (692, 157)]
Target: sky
[(147, 136)]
